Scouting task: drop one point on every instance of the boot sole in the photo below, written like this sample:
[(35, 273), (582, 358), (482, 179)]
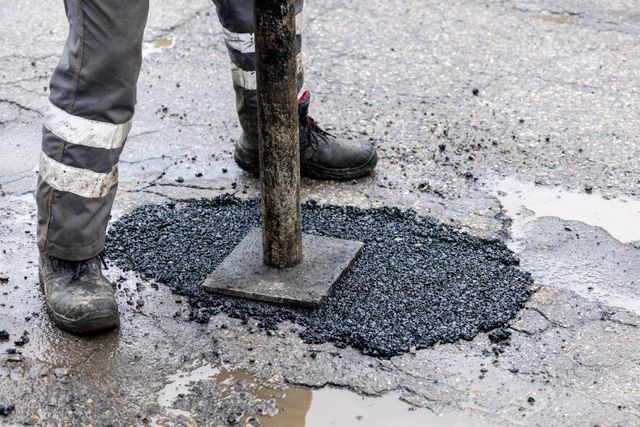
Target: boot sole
[(90, 323), (318, 172)]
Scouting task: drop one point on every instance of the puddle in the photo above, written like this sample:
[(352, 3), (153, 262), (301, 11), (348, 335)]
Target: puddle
[(556, 18), (575, 241), (619, 217), (337, 407), (295, 406), (179, 385), (155, 46)]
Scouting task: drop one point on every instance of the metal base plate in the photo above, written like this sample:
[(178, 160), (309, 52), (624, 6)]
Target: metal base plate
[(243, 273)]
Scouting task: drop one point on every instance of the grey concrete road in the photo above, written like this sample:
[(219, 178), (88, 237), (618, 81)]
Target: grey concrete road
[(513, 119)]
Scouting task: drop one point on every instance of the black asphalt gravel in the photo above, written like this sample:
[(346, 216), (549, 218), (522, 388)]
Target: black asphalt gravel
[(417, 281)]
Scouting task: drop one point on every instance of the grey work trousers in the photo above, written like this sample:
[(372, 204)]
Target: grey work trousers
[(93, 96)]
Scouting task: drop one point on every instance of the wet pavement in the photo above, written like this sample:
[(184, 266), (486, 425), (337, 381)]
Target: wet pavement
[(514, 121)]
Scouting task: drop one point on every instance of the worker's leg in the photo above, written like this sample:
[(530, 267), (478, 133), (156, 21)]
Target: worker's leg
[(237, 20), (93, 94), (322, 155)]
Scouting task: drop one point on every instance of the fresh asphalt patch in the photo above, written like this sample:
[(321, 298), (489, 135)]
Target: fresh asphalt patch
[(416, 283)]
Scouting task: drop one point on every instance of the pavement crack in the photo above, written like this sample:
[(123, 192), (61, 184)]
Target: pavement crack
[(608, 317), (21, 106), (523, 331), (560, 12), (163, 31), (597, 365), (30, 58), (607, 402), (14, 180), (148, 132), (25, 79), (152, 183), (553, 322), (192, 186), (156, 193), (147, 159), (620, 322)]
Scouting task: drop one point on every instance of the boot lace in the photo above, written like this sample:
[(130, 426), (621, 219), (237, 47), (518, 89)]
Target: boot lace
[(315, 132), (79, 267)]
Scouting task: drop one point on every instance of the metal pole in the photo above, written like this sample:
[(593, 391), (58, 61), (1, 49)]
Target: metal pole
[(278, 125)]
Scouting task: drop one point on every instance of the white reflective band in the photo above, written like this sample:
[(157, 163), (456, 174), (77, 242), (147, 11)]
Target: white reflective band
[(78, 181), (247, 79), (90, 133), (245, 42), (299, 23), (244, 79), (242, 42)]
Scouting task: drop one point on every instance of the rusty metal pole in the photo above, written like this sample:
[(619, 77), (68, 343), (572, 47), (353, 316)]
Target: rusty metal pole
[(278, 125)]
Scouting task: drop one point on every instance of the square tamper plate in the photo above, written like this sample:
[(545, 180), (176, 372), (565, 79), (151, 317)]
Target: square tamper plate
[(243, 273)]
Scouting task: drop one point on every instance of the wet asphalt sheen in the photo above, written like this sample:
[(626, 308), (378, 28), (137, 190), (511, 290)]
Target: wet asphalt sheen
[(417, 281)]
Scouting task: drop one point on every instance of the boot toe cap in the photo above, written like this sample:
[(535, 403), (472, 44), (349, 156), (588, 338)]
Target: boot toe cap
[(74, 310), (83, 311), (342, 160)]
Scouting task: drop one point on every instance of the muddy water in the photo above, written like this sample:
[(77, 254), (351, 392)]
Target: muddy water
[(555, 19), (294, 407), (179, 385), (306, 407), (336, 407), (155, 46)]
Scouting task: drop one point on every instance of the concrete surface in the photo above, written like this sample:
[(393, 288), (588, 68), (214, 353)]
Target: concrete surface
[(472, 104)]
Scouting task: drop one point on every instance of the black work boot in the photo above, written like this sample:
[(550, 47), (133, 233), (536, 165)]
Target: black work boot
[(79, 298), (322, 155)]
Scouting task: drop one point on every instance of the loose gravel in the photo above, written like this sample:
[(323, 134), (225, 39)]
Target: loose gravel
[(417, 282)]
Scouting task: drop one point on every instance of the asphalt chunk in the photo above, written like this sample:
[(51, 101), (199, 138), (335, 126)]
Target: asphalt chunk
[(6, 410), (23, 340), (499, 335), (417, 282)]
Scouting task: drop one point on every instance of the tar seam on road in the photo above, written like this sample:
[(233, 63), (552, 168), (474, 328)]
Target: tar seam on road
[(417, 282)]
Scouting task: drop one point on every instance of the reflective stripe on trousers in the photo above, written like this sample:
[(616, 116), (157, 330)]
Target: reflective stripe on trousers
[(93, 94), (237, 20)]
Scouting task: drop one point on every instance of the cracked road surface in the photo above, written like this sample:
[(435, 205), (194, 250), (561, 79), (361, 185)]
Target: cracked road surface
[(511, 120)]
